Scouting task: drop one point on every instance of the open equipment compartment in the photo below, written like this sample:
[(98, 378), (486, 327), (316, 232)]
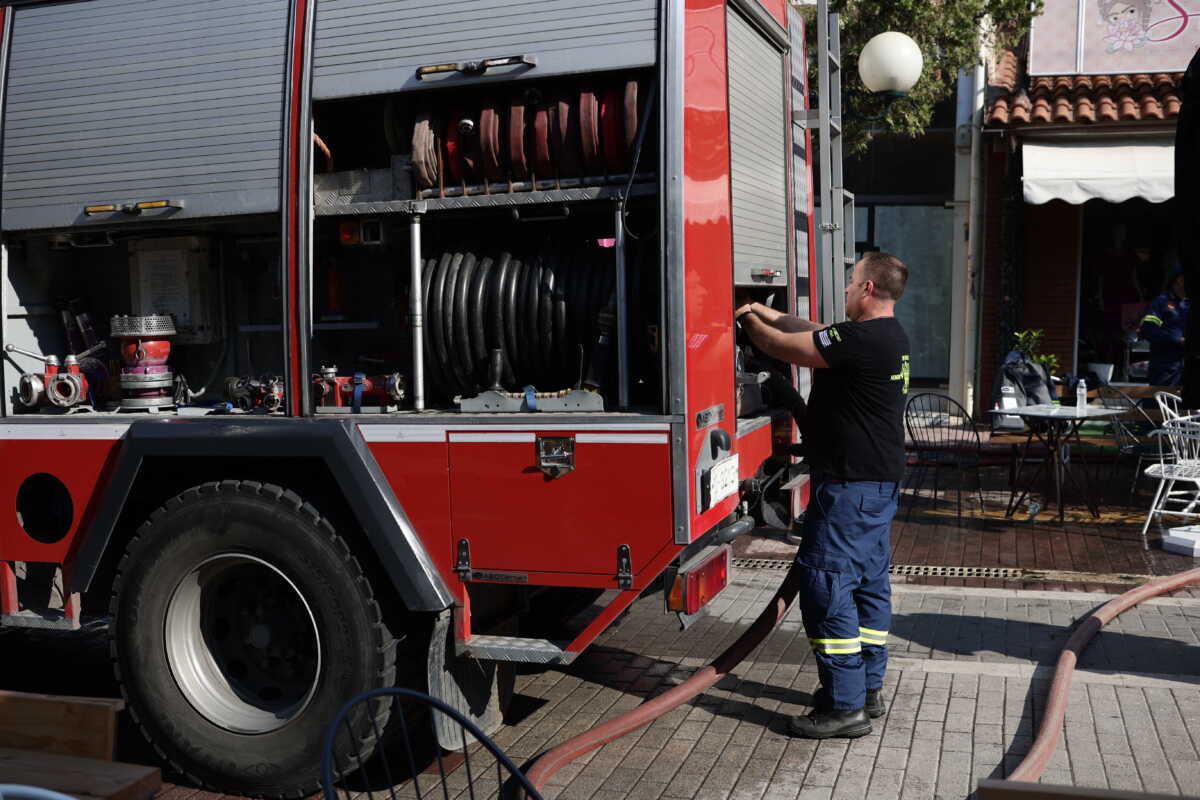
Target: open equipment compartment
[(525, 214), (150, 320)]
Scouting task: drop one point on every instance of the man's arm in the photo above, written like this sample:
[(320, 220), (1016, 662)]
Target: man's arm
[(1153, 327), (794, 347), (788, 323)]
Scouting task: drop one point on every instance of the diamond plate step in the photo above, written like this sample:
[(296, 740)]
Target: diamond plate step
[(515, 648), (49, 620)]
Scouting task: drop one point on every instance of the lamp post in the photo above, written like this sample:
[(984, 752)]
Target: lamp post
[(890, 65)]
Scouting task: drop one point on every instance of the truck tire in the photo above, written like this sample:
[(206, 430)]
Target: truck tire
[(240, 624)]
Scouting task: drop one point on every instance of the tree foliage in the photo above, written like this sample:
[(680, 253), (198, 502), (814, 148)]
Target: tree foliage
[(949, 34)]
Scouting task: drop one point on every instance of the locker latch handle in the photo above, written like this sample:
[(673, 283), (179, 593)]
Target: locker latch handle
[(556, 455), (476, 67)]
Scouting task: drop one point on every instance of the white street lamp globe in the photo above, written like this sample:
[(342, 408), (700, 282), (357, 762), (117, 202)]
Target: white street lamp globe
[(890, 62)]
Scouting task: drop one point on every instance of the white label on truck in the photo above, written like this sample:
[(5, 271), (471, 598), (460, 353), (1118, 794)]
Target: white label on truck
[(722, 480)]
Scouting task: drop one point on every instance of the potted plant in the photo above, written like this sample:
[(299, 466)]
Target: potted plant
[(1030, 344)]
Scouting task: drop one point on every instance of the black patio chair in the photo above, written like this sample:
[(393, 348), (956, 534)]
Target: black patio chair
[(942, 436), (424, 770), (1133, 434)]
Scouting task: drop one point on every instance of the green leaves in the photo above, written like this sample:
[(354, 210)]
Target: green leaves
[(948, 32)]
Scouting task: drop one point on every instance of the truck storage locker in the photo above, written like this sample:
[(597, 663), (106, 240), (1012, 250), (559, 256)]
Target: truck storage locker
[(117, 102), (375, 46), (758, 155)]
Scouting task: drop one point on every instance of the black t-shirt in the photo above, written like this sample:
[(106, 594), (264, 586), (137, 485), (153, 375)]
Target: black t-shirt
[(855, 424)]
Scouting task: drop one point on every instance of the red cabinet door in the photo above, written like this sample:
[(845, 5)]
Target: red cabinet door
[(519, 520)]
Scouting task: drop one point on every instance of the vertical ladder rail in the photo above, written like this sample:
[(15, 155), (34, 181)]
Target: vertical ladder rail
[(837, 251), (827, 311), (837, 181)]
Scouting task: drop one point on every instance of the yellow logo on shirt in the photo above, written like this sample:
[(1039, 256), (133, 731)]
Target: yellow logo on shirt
[(903, 374)]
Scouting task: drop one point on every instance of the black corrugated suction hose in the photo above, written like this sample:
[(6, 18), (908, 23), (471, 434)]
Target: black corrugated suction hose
[(543, 310)]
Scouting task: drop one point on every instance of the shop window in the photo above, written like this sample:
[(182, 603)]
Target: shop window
[(920, 236)]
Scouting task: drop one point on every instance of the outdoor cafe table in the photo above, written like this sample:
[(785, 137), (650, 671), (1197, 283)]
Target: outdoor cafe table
[(1054, 426)]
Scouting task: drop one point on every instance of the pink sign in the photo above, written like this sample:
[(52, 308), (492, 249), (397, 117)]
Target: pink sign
[(1103, 37)]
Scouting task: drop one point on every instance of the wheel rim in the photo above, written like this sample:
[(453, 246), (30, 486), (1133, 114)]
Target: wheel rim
[(242, 644)]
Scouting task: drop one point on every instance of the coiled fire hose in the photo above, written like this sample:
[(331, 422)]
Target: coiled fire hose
[(542, 309), (1031, 768), (554, 760)]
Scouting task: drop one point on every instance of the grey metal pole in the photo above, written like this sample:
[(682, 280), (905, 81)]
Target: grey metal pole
[(416, 313), (622, 311)]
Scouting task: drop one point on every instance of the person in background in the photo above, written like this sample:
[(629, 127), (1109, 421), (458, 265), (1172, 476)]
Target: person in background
[(1163, 326)]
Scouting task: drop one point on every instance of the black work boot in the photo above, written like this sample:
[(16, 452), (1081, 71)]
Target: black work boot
[(832, 724), (875, 707)]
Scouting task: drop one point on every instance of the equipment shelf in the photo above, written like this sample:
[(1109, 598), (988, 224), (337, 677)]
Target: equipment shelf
[(496, 199)]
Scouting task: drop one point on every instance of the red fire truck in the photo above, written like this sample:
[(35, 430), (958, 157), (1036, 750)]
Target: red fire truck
[(350, 343)]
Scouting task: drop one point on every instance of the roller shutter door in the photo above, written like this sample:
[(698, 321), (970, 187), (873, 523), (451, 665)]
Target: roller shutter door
[(758, 156), (373, 46), (123, 101)]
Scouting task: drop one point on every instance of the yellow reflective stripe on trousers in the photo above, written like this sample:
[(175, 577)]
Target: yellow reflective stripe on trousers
[(1151, 318), (836, 646), (870, 636)]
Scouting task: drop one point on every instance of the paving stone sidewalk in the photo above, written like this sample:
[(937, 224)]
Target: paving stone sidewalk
[(970, 671)]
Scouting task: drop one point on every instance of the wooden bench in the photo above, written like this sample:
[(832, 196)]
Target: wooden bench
[(70, 726), (66, 744), (84, 778)]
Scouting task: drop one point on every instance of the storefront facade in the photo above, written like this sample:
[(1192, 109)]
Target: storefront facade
[(1077, 162)]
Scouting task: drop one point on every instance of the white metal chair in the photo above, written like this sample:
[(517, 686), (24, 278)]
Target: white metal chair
[(1169, 405), (1132, 432), (1179, 463)]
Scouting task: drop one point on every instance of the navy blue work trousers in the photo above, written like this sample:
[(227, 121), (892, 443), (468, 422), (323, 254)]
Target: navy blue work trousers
[(845, 593)]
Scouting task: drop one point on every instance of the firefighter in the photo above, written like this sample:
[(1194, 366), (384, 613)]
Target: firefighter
[(853, 441), (1164, 326)]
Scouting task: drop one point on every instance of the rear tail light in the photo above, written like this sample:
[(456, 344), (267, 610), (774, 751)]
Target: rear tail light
[(699, 581)]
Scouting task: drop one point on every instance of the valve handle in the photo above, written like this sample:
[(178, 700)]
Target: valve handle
[(10, 348), (90, 350)]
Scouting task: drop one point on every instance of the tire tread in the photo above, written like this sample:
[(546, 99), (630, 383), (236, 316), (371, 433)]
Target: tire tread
[(385, 639)]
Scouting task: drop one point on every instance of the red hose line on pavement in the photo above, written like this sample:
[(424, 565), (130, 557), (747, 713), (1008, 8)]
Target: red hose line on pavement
[(1044, 745), (554, 760)]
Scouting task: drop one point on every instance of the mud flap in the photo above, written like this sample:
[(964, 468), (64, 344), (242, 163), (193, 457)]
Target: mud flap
[(478, 689)]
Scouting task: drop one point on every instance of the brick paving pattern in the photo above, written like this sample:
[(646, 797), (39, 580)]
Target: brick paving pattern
[(969, 676), (971, 664)]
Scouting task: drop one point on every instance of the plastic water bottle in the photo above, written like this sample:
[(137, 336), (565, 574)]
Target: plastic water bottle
[(1081, 395)]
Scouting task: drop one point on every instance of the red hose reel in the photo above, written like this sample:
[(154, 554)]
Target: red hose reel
[(565, 134)]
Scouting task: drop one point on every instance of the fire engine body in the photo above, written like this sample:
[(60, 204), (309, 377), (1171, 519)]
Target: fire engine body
[(247, 184)]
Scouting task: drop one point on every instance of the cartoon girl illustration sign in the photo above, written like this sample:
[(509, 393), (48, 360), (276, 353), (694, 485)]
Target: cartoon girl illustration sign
[(1103, 37), (1126, 23)]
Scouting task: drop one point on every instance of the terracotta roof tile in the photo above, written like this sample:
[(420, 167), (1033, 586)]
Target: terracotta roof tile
[(1015, 99)]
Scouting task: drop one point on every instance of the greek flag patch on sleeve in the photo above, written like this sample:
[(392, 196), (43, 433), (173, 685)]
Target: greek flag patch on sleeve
[(823, 337)]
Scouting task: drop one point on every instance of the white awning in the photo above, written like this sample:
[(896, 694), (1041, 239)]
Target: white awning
[(1114, 169)]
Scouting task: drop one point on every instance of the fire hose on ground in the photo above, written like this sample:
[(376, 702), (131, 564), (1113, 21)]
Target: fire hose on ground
[(1030, 768), (704, 678)]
